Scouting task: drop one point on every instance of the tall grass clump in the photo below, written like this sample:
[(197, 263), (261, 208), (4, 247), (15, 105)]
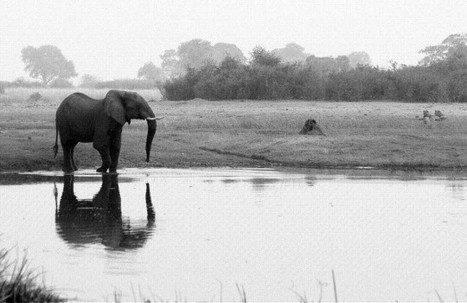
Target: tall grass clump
[(19, 284)]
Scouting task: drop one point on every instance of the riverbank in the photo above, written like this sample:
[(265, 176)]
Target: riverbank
[(244, 133)]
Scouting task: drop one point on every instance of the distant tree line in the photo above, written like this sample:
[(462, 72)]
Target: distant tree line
[(198, 69), (441, 76), (49, 67)]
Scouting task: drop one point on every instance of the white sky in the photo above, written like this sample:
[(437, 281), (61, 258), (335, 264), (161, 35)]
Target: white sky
[(114, 38)]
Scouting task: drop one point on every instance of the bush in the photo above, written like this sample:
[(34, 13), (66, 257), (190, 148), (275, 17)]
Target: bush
[(362, 83), (35, 97), (228, 81), (317, 79), (132, 84), (21, 82), (60, 83), (181, 88), (456, 86)]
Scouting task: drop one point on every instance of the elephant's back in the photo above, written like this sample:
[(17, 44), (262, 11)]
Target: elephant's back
[(77, 113), (80, 101)]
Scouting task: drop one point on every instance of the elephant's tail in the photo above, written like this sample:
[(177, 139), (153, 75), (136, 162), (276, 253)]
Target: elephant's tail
[(56, 140)]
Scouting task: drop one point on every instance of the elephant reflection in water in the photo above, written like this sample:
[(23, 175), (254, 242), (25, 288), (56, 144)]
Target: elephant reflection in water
[(99, 220)]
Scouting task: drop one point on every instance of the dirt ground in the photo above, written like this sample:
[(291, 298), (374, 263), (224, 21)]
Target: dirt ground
[(246, 133)]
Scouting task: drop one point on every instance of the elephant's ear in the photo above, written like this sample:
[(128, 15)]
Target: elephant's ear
[(113, 104)]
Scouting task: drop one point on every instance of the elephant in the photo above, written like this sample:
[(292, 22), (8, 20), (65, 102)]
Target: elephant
[(80, 118), (80, 222)]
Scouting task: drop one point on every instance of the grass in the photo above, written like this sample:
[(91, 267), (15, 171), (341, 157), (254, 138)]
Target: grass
[(19, 284), (244, 133)]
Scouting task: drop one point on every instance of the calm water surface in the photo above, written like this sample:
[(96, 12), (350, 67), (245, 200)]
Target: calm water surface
[(169, 234)]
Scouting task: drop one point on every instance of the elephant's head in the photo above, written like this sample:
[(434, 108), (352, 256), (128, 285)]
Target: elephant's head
[(123, 106)]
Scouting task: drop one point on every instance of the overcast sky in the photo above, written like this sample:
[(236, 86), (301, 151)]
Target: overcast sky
[(114, 38)]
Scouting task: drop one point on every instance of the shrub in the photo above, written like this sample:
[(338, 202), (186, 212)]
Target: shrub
[(88, 81), (21, 82), (318, 78), (181, 88), (456, 86), (35, 97), (132, 84), (60, 83)]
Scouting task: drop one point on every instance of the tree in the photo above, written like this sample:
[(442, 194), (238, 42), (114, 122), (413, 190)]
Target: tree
[(89, 81), (151, 72), (224, 50), (358, 58), (170, 64), (195, 54), (451, 47), (292, 52), (191, 54), (322, 65), (343, 63), (261, 56), (47, 63)]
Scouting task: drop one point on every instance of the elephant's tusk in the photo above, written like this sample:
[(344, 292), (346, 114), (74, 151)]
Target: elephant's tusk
[(156, 118)]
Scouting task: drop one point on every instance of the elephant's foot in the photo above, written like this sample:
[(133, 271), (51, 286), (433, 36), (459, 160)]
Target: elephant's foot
[(68, 171), (101, 169)]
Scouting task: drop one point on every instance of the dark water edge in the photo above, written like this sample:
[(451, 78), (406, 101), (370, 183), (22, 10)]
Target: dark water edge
[(128, 175), (19, 178)]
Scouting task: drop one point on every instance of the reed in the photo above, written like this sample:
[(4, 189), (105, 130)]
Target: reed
[(18, 283)]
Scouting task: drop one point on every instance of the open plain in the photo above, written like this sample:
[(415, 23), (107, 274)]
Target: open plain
[(247, 133)]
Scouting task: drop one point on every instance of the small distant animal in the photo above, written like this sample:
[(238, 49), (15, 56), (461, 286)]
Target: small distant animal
[(427, 117), (427, 114), (439, 116), (311, 127), (35, 97)]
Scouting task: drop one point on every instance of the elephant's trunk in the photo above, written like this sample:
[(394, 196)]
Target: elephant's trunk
[(152, 126)]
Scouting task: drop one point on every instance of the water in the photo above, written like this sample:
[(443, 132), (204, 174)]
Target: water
[(169, 234)]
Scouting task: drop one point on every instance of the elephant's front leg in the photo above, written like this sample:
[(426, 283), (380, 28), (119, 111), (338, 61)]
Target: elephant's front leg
[(115, 143), (106, 160)]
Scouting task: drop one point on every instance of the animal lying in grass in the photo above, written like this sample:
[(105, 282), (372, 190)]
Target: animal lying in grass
[(311, 127), (427, 117)]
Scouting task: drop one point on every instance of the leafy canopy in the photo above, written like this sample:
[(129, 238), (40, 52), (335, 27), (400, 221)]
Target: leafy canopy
[(454, 47), (195, 54), (47, 63), (359, 58), (292, 52), (151, 72)]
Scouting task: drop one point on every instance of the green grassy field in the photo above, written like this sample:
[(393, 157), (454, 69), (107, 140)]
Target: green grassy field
[(244, 133)]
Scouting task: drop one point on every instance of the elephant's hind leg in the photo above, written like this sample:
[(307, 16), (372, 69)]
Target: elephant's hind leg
[(72, 155), (67, 158)]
